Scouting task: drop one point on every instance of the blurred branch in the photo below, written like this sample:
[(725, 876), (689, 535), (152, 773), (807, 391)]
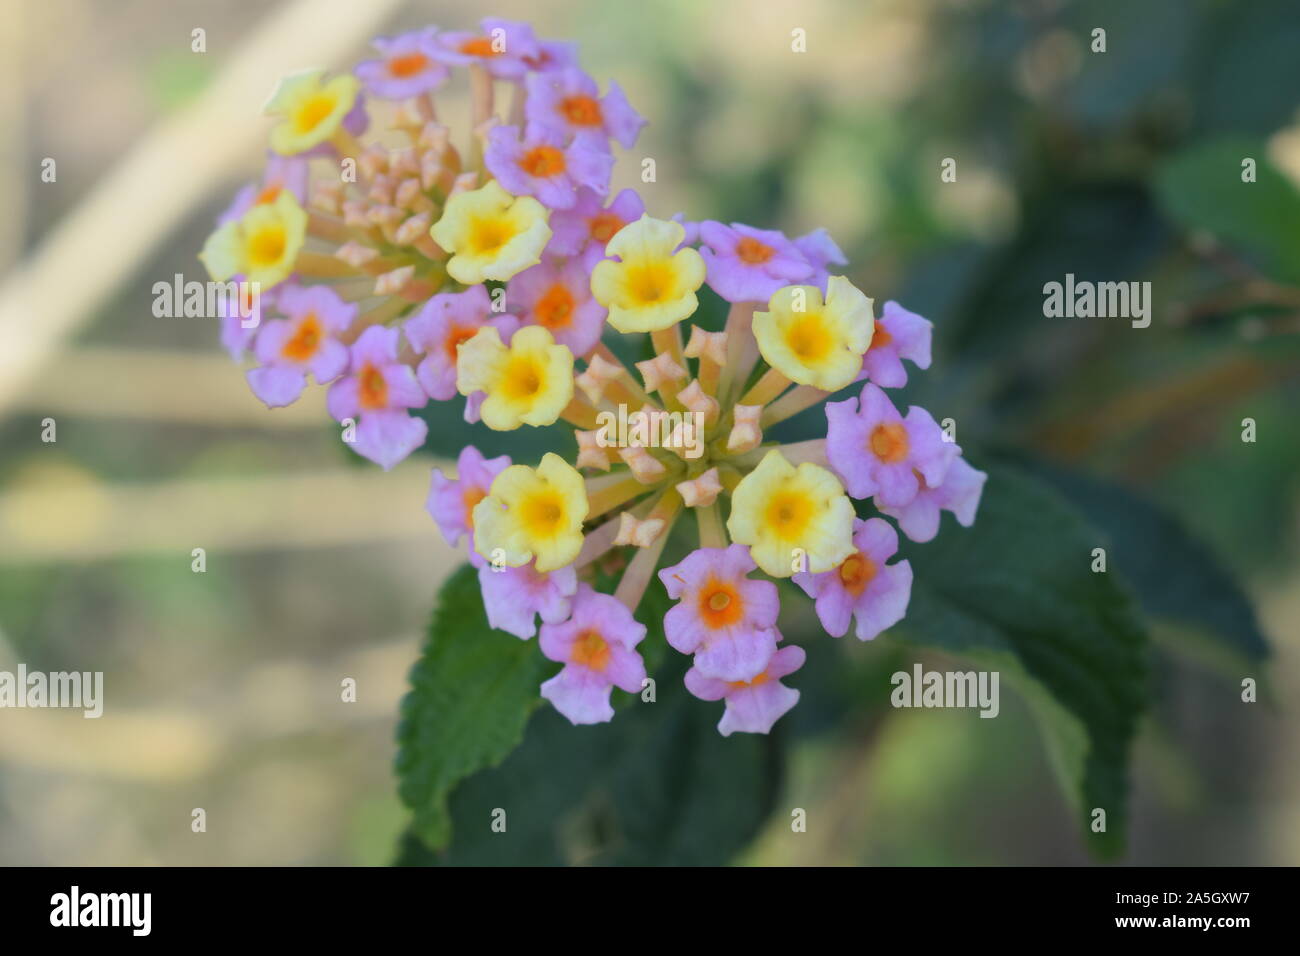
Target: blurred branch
[(80, 520), (159, 182), (161, 386)]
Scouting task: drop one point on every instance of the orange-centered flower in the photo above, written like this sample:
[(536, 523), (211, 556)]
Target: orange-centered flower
[(582, 110), (591, 650), (856, 573), (889, 442)]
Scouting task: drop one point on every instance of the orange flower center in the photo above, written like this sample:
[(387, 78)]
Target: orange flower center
[(856, 573), (305, 341), (267, 195), (591, 650), (554, 310), (479, 46), (372, 390), (456, 335), (471, 497), (581, 110), (889, 443), (881, 337), (752, 252), (542, 162), (604, 225), (407, 65), (720, 604), (758, 681)]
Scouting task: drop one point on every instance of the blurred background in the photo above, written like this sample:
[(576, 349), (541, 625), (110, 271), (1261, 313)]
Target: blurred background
[(223, 687)]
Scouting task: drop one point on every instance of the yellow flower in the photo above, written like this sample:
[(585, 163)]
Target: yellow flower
[(528, 382), (793, 519), (532, 513), (813, 342), (262, 246), (491, 234), (310, 110), (652, 286)]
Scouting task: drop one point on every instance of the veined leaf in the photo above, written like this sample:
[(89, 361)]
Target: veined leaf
[(1016, 592)]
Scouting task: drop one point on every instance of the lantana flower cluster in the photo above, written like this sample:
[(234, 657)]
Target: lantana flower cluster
[(407, 265)]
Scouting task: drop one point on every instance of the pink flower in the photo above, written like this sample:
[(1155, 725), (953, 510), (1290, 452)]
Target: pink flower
[(451, 500), (960, 493), (281, 173), (241, 320), (821, 252), (597, 647), (899, 335), (439, 328), (724, 618), (553, 55), (378, 390), (692, 229), (585, 227), (863, 586), (543, 165), (504, 48), (558, 297), (515, 597), (305, 341), (407, 66), (569, 100), (753, 706), (875, 451), (747, 264)]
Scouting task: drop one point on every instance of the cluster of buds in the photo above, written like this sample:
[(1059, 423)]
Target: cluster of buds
[(417, 272)]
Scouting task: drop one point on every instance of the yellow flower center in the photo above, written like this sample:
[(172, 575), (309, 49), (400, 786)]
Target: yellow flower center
[(788, 514), (889, 443), (554, 310), (486, 236), (856, 573), (523, 378), (266, 246), (808, 337), (591, 650), (581, 110), (542, 513), (407, 65), (650, 283), (313, 111), (305, 341)]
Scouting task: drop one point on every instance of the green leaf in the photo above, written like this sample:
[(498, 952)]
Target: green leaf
[(471, 694), (1015, 593), (1177, 578), (1202, 189), (658, 785)]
